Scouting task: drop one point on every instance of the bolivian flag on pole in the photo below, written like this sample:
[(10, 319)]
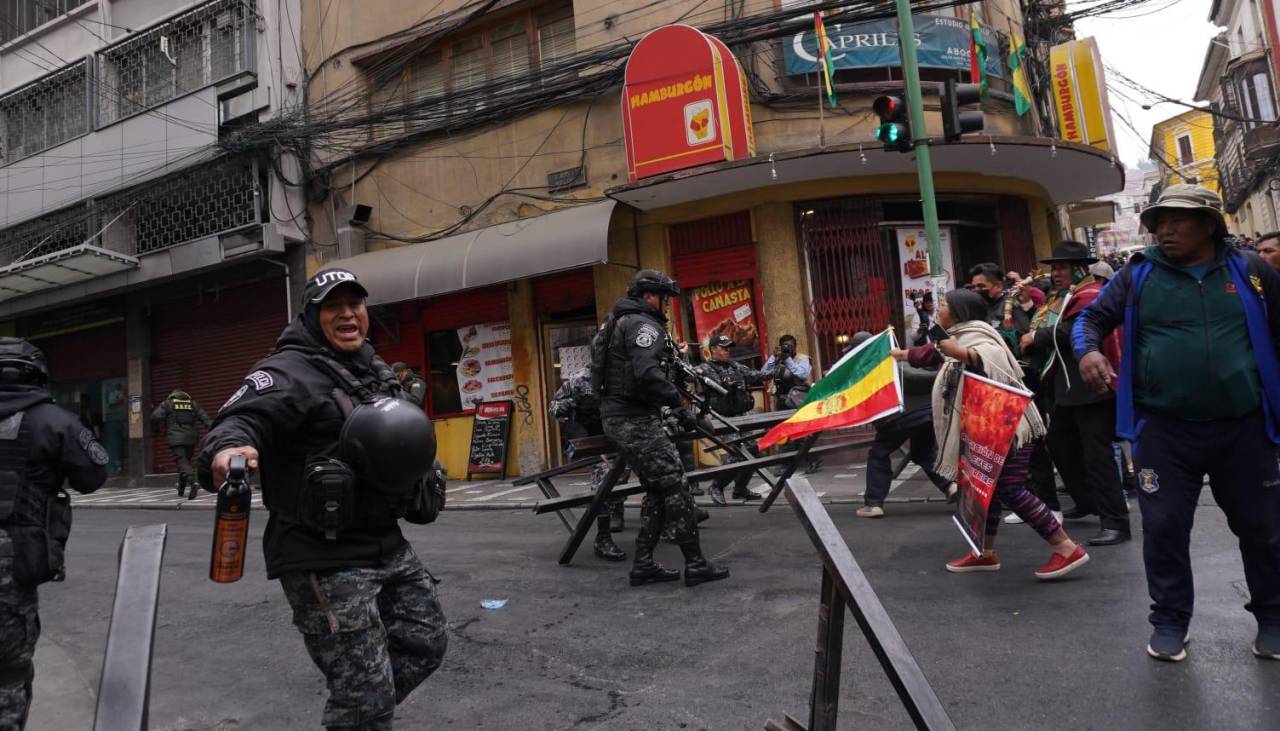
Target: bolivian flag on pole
[(824, 58), (1018, 65), (977, 54), (863, 386)]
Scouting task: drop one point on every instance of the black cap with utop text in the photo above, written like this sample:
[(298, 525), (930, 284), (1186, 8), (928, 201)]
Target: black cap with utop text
[(322, 283)]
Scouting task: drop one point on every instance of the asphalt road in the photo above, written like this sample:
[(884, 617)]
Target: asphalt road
[(576, 647)]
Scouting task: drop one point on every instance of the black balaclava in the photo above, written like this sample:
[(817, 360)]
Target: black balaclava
[(966, 305)]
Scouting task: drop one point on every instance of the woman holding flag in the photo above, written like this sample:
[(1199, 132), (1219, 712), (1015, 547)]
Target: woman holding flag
[(974, 346)]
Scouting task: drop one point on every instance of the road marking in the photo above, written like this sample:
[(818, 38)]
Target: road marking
[(500, 494), (908, 474), (845, 476)]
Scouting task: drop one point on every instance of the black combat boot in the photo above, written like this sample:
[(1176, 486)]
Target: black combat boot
[(605, 548), (195, 489), (697, 569), (182, 484), (645, 570), (702, 514), (616, 518)]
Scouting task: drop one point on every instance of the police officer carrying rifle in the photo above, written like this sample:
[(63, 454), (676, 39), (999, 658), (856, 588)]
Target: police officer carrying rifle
[(41, 446), (343, 458), (179, 414), (629, 357), (577, 408), (736, 379)]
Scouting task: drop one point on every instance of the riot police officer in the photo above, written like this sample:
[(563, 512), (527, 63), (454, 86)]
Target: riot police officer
[(41, 447), (577, 408), (414, 388), (343, 458), (179, 413), (736, 379), (628, 369)]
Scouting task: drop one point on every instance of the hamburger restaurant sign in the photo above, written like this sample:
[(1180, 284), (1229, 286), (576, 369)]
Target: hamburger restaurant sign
[(684, 103)]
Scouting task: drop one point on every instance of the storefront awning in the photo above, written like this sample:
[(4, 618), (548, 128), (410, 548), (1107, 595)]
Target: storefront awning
[(565, 239), (61, 268), (1067, 172)]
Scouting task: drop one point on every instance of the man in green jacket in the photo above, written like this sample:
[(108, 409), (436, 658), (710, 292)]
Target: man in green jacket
[(179, 414)]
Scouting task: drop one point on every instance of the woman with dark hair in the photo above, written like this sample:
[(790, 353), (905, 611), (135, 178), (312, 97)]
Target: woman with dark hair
[(976, 347)]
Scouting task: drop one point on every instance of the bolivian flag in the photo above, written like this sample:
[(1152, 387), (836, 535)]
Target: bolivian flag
[(862, 386), (824, 58), (1018, 65)]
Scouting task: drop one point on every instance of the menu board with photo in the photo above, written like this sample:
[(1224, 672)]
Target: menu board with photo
[(485, 370), (727, 308), (913, 253)]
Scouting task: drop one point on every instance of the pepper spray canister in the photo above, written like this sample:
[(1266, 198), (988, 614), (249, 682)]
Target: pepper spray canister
[(231, 525)]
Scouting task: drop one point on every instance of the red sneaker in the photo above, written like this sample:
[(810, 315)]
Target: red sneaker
[(972, 563), (1060, 566)]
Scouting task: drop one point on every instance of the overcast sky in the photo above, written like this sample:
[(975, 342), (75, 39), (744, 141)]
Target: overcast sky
[(1161, 45)]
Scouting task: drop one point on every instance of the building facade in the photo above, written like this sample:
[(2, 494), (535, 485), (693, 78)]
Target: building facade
[(1238, 80), (473, 168), (140, 248)]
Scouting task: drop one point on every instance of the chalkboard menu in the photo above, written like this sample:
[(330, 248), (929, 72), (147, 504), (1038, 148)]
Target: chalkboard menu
[(489, 436)]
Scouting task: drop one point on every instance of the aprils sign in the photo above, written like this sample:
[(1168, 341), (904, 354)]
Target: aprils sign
[(684, 103)]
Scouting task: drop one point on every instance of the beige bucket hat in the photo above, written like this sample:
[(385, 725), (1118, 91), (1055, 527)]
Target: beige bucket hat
[(1187, 196)]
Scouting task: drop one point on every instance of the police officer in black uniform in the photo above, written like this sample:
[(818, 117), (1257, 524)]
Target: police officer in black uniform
[(414, 388), (343, 458), (629, 357), (736, 379), (41, 447), (179, 414)]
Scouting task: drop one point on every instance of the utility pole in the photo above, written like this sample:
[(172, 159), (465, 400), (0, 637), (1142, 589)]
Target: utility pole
[(920, 135)]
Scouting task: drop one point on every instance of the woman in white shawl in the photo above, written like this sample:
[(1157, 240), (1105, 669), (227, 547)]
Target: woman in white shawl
[(976, 346)]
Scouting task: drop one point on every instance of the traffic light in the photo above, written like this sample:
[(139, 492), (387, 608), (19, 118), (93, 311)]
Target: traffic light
[(957, 121), (894, 131)]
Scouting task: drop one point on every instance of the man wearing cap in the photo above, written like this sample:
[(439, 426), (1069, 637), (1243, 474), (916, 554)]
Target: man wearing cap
[(364, 603), (411, 386), (1082, 423), (736, 379), (1198, 393)]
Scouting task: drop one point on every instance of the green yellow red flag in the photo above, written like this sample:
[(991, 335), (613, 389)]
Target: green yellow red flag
[(977, 54), (824, 58), (863, 386), (1018, 65)]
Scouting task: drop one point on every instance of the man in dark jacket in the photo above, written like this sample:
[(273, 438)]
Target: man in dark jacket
[(179, 414), (915, 423), (1083, 422), (364, 603), (1198, 394), (629, 369), (577, 408), (42, 448), (736, 379), (413, 388), (1004, 314)]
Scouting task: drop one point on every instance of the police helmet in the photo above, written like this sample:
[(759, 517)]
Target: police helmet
[(22, 362), (651, 280), (390, 445)]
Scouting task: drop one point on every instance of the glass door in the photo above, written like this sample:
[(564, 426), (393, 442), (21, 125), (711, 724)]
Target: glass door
[(566, 349)]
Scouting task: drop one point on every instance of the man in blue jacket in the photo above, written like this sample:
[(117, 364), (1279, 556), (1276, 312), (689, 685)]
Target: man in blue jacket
[(1198, 394)]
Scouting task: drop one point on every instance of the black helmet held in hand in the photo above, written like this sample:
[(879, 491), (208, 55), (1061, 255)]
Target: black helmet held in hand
[(651, 280), (22, 362), (390, 445)]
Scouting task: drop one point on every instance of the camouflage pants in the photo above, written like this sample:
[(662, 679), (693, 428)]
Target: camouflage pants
[(656, 461), (743, 479), (19, 630), (613, 506), (375, 633)]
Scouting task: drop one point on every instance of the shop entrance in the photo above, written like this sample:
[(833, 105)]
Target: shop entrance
[(566, 350)]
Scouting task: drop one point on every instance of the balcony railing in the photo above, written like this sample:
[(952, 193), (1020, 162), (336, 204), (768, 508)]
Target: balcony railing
[(198, 202), (1261, 143)]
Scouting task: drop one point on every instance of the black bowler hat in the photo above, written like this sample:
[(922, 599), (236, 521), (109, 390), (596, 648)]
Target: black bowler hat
[(721, 341), (322, 283), (1070, 251)]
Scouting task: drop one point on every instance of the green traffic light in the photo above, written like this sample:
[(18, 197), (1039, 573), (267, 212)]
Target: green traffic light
[(889, 133)]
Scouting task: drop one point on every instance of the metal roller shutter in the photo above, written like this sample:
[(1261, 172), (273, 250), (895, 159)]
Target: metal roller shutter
[(208, 347), (86, 355), (565, 292)]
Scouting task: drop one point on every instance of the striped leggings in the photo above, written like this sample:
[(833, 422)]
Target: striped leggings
[(1012, 493)]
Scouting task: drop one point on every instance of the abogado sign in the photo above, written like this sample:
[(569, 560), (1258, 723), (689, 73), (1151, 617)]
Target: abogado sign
[(684, 103)]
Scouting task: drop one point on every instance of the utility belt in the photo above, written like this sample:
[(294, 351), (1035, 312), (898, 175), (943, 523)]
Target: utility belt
[(332, 499)]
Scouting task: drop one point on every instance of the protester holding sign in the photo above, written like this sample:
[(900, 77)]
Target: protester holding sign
[(975, 347)]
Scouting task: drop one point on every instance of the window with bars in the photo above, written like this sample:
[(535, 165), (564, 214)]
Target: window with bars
[(506, 57), (192, 51), (44, 114), (21, 16)]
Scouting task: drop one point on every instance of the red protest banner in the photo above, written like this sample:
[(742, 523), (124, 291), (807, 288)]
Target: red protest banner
[(989, 417), (726, 308)]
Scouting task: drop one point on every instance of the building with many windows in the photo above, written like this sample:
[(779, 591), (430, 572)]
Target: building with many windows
[(140, 247), (485, 171)]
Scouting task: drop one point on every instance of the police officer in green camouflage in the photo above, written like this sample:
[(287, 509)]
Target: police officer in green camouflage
[(179, 413), (414, 388)]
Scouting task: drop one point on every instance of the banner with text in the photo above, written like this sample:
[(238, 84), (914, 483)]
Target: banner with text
[(918, 297), (989, 417), (726, 308), (485, 370), (941, 42)]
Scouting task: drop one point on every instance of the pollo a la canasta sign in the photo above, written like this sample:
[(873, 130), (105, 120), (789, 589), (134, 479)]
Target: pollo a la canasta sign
[(684, 103)]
